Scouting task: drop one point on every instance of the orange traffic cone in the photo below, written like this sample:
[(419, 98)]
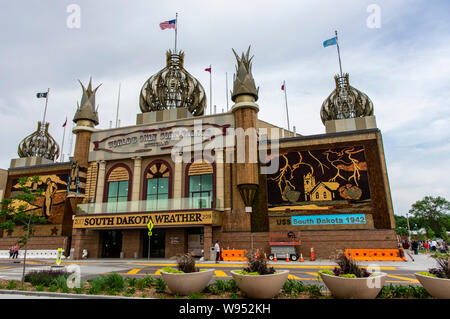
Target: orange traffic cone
[(287, 257), (301, 257), (312, 253), (275, 257)]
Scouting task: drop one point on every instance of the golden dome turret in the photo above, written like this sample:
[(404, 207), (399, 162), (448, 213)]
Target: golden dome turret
[(173, 87)]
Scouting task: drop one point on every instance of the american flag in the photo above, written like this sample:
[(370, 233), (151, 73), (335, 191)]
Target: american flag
[(168, 24)]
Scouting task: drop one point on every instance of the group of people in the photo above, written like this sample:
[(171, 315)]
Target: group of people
[(431, 246), (14, 252)]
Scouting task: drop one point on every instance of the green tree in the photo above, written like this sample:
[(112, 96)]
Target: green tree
[(432, 212), (13, 215)]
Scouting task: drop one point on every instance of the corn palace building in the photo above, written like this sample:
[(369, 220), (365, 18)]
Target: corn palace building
[(194, 178)]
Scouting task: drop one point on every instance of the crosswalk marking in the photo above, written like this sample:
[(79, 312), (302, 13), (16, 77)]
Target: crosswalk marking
[(158, 272), (220, 273), (134, 271), (293, 277), (404, 278)]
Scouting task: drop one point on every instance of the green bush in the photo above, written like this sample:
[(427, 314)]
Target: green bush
[(427, 274), (130, 292), (293, 288), (144, 283), (45, 277), (196, 295), (11, 285), (106, 283), (313, 290), (78, 290), (160, 285), (60, 282), (172, 270), (131, 282), (53, 288), (400, 291), (40, 288), (221, 286)]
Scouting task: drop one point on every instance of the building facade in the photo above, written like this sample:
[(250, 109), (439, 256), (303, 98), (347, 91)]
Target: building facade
[(190, 179)]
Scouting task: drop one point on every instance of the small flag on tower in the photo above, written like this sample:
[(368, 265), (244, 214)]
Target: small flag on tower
[(208, 69), (329, 42), (168, 24), (39, 95), (282, 87), (64, 125)]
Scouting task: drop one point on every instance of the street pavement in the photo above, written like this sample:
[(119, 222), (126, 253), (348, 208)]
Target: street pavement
[(399, 272)]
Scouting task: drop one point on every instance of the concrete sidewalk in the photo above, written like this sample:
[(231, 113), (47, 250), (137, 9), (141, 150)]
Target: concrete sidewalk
[(422, 262)]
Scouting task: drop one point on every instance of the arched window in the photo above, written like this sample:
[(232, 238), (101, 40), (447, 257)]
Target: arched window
[(201, 184), (117, 183), (157, 185)]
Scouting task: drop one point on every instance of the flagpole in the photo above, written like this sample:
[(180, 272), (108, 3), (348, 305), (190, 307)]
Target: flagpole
[(210, 89), (45, 110), (339, 53), (62, 144), (226, 87), (176, 27), (117, 112), (285, 99)]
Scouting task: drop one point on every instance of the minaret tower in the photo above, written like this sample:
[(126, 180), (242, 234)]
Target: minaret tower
[(85, 119), (245, 112)]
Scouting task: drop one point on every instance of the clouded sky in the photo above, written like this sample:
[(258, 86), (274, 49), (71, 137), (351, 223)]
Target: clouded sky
[(401, 61)]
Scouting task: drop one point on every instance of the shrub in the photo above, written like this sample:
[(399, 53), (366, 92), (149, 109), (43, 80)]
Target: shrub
[(110, 282), (399, 291), (443, 270), (186, 263), (196, 295), (160, 285), (60, 282), (44, 277), (170, 270), (349, 266), (144, 295), (144, 283), (221, 286), (313, 290), (40, 288), (258, 265), (11, 285), (53, 288), (293, 288), (130, 292), (131, 282), (78, 290)]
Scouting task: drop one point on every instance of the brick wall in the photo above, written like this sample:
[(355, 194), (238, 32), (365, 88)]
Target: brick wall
[(176, 242), (132, 243), (86, 239)]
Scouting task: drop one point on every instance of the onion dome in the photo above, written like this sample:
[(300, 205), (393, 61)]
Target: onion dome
[(173, 87), (40, 144), (345, 102), (87, 109)]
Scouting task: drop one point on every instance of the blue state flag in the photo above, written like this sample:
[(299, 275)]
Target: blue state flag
[(329, 42)]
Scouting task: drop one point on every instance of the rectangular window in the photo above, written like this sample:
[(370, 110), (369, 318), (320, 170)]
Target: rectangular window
[(117, 196), (201, 191), (157, 193)]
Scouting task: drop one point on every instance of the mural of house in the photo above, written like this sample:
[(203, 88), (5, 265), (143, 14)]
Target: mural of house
[(320, 191)]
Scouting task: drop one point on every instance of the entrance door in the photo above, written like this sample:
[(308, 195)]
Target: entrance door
[(111, 243), (157, 243)]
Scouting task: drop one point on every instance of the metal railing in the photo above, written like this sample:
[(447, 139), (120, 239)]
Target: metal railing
[(147, 206)]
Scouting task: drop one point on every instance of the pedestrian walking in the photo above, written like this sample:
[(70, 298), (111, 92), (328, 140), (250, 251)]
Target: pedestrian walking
[(217, 249), (433, 245), (16, 251), (415, 247), (11, 251), (426, 246)]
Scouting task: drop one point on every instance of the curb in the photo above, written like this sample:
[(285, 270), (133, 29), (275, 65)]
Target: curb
[(57, 294)]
